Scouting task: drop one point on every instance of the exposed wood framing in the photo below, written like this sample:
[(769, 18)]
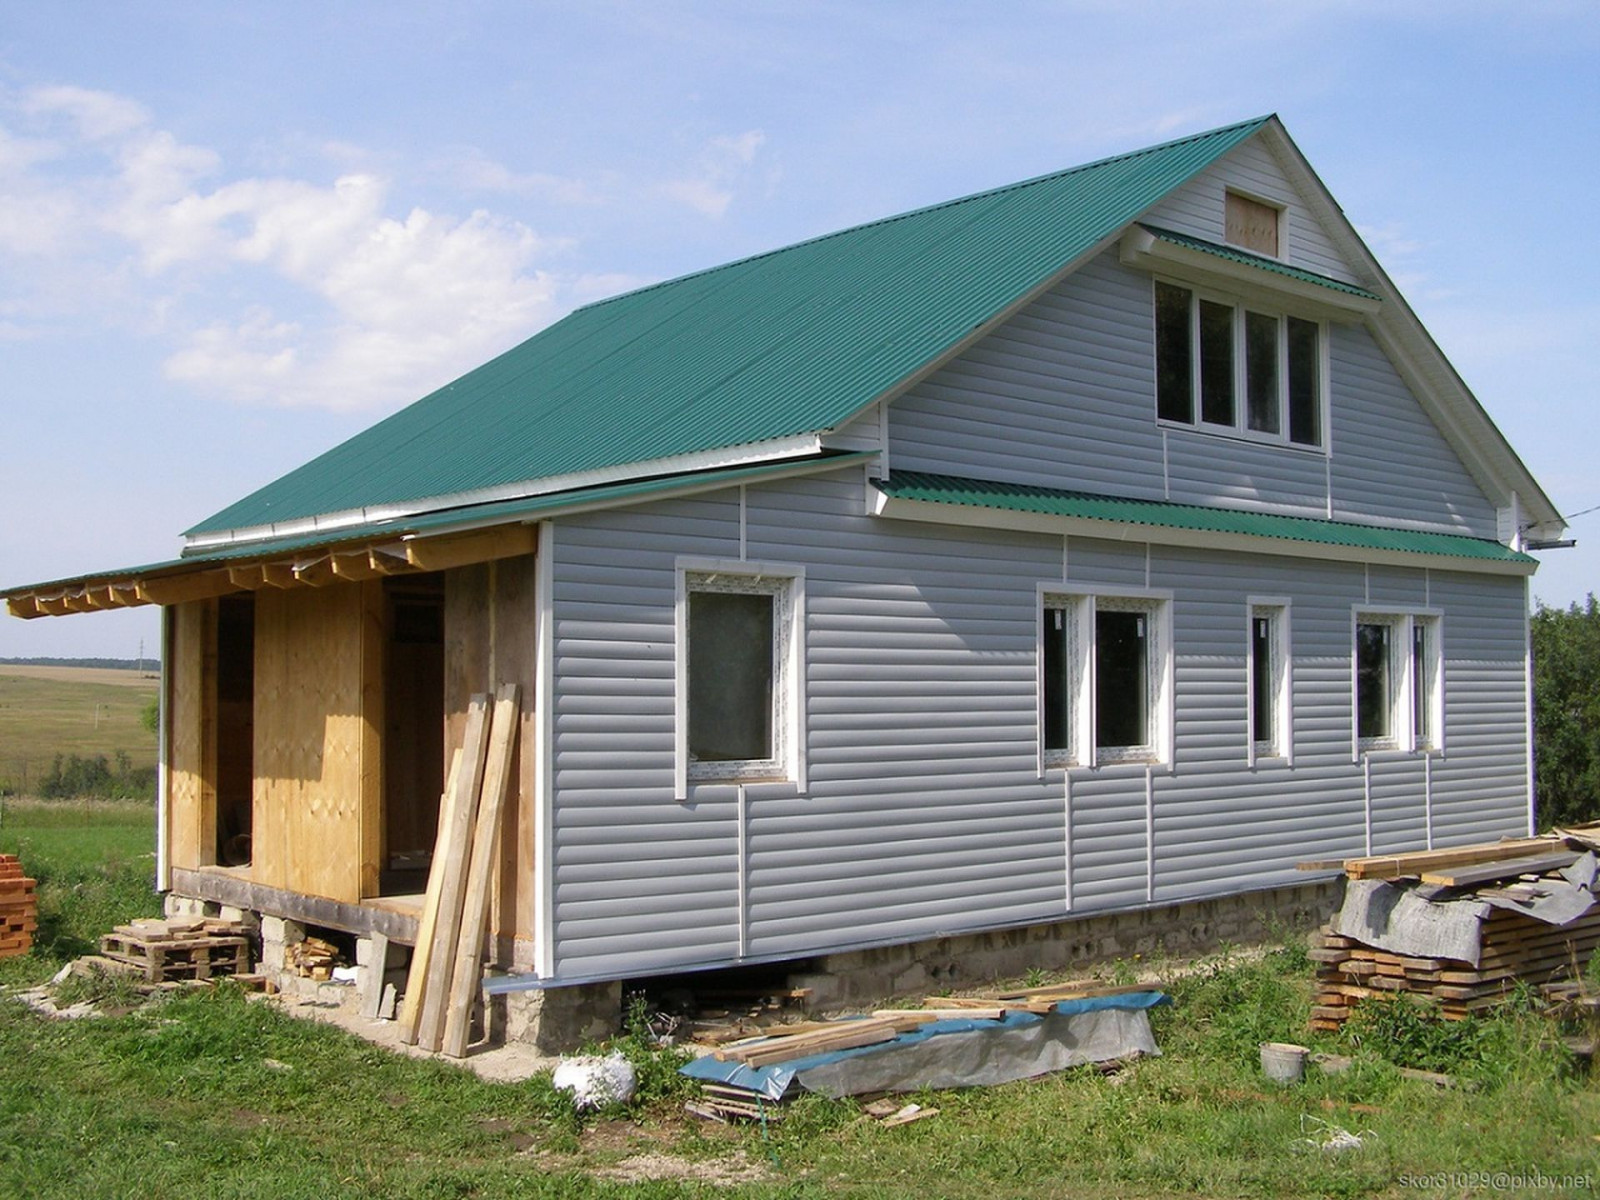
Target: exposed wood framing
[(227, 888)]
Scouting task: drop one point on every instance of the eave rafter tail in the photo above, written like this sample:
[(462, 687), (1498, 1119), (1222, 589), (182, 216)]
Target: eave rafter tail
[(322, 567)]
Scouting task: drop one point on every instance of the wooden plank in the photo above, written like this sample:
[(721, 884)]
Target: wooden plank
[(468, 956), (1536, 864), (226, 887), (24, 605), (373, 616), (926, 1016), (450, 864), (1075, 991), (422, 950), (1393, 866), (862, 1033)]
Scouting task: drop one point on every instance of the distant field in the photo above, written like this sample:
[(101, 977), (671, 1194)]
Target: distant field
[(45, 711)]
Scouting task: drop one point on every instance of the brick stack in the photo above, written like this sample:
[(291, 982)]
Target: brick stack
[(19, 908)]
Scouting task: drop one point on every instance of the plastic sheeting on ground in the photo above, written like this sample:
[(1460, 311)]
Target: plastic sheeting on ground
[(961, 1053)]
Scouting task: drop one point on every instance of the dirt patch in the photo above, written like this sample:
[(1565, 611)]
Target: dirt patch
[(720, 1172)]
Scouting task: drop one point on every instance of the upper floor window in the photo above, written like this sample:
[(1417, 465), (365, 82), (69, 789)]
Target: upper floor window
[(1224, 366)]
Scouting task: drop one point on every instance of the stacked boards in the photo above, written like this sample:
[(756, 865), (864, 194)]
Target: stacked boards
[(1510, 879), (19, 913), (447, 963)]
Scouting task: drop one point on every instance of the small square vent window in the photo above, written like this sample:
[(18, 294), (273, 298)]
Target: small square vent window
[(1251, 224)]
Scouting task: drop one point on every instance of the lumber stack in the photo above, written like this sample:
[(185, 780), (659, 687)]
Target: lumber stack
[(19, 915), (447, 962), (161, 951), (1513, 947)]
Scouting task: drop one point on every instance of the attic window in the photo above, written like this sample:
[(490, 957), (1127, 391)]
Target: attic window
[(1250, 224)]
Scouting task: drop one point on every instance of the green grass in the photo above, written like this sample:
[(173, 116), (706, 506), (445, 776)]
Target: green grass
[(213, 1094), (67, 711)]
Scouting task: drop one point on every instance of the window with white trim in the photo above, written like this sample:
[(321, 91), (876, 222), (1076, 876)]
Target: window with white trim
[(1267, 681), (738, 675), (1104, 679), (1228, 367), (1398, 682)]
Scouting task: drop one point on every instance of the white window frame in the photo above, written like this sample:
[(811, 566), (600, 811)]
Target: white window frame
[(785, 582), (1241, 305), (1405, 736), (1279, 748), (1081, 603)]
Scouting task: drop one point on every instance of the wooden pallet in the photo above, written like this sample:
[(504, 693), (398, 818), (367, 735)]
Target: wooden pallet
[(165, 958)]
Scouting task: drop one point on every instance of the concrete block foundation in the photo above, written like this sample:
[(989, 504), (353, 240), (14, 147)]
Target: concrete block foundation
[(855, 979)]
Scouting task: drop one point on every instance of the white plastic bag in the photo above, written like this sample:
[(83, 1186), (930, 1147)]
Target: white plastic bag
[(596, 1082)]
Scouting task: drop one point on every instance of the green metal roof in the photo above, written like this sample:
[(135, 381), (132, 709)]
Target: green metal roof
[(792, 342), (1057, 502), (1233, 254), (470, 516)]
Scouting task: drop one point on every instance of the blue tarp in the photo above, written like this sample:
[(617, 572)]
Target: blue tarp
[(773, 1081)]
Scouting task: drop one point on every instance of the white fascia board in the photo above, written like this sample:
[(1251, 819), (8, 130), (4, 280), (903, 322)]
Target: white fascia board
[(1439, 388), (1144, 251), (1126, 531), (705, 460)]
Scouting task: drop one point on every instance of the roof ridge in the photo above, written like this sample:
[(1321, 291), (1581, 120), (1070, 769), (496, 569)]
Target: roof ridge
[(985, 194)]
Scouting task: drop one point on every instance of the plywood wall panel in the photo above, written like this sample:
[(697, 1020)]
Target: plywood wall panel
[(318, 773)]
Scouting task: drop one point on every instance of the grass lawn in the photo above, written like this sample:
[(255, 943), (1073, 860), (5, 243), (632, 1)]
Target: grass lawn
[(46, 711), (216, 1095)]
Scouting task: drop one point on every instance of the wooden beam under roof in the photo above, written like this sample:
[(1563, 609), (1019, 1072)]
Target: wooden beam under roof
[(25, 606), (179, 589), (484, 545), (314, 572)]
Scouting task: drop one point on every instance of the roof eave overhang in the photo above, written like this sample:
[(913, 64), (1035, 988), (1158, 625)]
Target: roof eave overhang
[(1145, 250), (331, 523), (353, 555), (984, 517)]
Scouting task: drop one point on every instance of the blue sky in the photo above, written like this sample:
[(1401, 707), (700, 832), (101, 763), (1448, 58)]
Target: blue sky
[(233, 235)]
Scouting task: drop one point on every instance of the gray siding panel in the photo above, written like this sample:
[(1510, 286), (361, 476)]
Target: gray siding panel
[(1390, 462), (1063, 395), (925, 812)]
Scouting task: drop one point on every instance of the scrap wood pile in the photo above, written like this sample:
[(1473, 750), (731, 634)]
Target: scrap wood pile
[(312, 958), (160, 951), (725, 1100), (18, 908), (447, 963), (1460, 927)]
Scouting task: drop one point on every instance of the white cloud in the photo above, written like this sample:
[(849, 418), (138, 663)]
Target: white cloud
[(337, 300), (720, 167)]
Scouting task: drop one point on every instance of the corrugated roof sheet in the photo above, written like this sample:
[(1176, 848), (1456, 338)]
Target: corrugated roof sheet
[(447, 520), (1016, 497), (791, 342), (1234, 254)]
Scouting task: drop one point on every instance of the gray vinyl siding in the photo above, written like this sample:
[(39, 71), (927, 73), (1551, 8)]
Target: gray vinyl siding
[(1197, 209), (925, 812), (1063, 395), (1390, 462)]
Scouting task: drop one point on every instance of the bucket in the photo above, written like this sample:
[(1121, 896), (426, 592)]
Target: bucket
[(1283, 1062)]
